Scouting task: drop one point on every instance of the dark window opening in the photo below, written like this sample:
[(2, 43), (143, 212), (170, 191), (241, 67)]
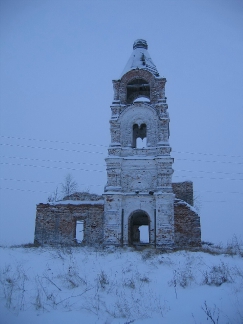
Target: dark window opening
[(139, 228), (139, 136), (79, 231), (137, 88)]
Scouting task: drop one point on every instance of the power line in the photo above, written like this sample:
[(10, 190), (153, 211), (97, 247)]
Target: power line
[(85, 184), (94, 152), (100, 145), (49, 167), (73, 169), (196, 177), (218, 192), (49, 148), (51, 141), (224, 162), (210, 154), (37, 191), (40, 181), (53, 161), (24, 180), (103, 165), (218, 172), (28, 190)]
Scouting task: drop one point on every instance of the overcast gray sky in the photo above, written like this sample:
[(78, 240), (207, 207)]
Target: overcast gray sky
[(58, 59)]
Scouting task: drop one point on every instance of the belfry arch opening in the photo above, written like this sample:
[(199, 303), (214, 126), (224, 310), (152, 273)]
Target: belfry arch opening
[(137, 88), (139, 226), (139, 136)]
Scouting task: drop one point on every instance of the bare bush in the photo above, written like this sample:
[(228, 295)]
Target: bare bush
[(54, 196), (69, 186), (130, 283), (182, 278), (103, 279), (235, 247), (13, 285), (145, 279), (217, 275), (212, 313)]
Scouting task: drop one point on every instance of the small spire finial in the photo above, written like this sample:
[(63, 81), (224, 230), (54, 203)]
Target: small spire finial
[(140, 43)]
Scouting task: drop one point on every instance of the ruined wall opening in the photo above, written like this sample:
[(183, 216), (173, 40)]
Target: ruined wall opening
[(79, 234), (139, 226), (137, 88), (139, 136)]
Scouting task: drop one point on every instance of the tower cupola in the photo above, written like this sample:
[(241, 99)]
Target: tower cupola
[(140, 78), (140, 59)]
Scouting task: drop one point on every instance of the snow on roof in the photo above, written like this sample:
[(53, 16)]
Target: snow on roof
[(140, 59)]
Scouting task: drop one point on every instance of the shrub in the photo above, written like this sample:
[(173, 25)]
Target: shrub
[(217, 275)]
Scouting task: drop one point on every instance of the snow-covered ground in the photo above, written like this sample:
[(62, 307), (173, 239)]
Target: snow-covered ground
[(84, 285)]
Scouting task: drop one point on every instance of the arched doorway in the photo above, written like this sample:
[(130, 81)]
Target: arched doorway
[(139, 225)]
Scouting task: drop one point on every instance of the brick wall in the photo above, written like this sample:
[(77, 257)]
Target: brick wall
[(187, 225), (183, 191), (56, 224)]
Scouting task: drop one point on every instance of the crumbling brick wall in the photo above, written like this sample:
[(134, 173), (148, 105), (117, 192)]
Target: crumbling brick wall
[(187, 225), (56, 224), (183, 191)]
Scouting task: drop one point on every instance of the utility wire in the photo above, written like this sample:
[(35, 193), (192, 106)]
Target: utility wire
[(210, 154), (37, 191), (53, 161), (218, 192), (100, 145), (40, 181), (103, 165), (224, 162), (94, 152), (28, 190), (77, 151), (24, 180), (49, 167), (51, 141), (84, 184), (73, 169), (196, 177), (49, 148), (218, 172)]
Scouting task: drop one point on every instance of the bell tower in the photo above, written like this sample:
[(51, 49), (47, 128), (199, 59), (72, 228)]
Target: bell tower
[(138, 193)]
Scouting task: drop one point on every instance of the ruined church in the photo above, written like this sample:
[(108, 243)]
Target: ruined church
[(140, 204)]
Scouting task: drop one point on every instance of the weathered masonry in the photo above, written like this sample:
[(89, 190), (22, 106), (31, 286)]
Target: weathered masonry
[(140, 204)]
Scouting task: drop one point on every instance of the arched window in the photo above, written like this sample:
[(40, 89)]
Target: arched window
[(137, 88), (139, 136)]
